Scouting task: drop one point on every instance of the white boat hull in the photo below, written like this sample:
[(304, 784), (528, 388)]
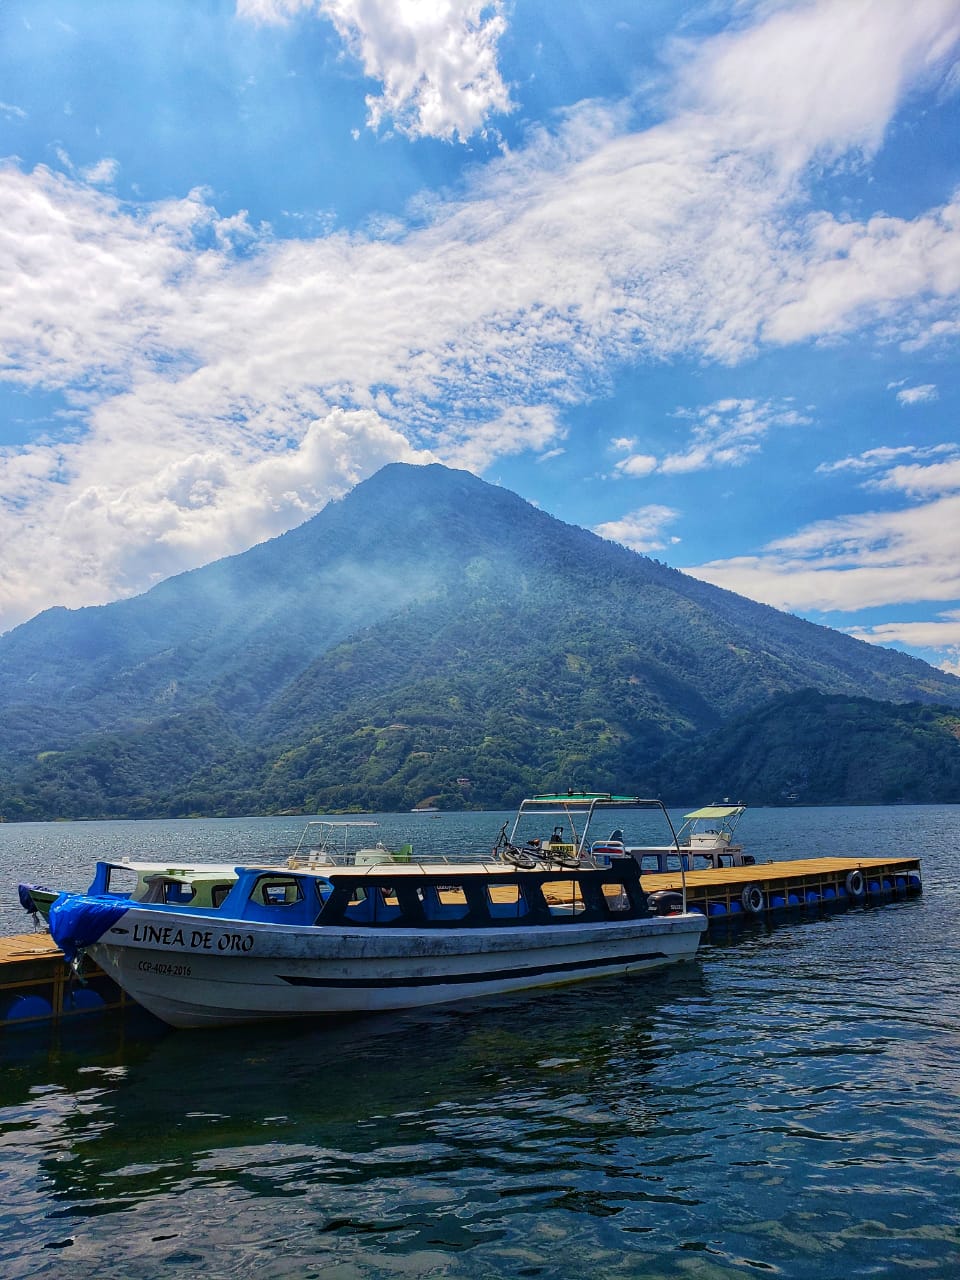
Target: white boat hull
[(202, 973)]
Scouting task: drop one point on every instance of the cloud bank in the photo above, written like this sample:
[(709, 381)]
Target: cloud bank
[(220, 385)]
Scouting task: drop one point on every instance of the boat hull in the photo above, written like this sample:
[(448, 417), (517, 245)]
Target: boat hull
[(205, 974)]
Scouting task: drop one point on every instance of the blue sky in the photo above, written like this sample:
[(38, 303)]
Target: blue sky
[(684, 273)]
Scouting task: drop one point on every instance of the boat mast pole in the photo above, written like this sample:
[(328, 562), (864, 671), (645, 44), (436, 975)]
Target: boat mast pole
[(676, 845)]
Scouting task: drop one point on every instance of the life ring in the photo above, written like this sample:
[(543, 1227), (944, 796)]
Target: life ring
[(752, 899), (854, 883)]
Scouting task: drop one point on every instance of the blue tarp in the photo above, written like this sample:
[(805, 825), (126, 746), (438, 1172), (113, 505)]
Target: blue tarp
[(77, 920)]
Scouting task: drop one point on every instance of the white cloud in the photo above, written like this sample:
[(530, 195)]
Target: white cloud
[(723, 434), (727, 432), (940, 636), (641, 530), (917, 395), (871, 459), (436, 59), (918, 480), (918, 471), (858, 274), (474, 445), (951, 83), (858, 56), (637, 465), (103, 173), (107, 525), (931, 634)]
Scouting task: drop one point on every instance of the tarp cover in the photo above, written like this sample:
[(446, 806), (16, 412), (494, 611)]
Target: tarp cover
[(77, 920), (25, 893)]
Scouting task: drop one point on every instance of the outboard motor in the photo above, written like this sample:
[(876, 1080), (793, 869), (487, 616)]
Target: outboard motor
[(665, 902)]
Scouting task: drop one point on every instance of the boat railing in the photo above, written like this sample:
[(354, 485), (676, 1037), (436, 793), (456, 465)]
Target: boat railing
[(310, 860)]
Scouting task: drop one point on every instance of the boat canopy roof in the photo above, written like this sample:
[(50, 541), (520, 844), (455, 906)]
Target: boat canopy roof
[(342, 822), (189, 870), (564, 800), (715, 811), (389, 873)]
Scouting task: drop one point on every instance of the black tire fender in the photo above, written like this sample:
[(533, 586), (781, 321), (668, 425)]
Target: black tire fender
[(855, 884), (752, 899)]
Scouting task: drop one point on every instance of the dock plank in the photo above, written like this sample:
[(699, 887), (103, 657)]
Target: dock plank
[(27, 946), (795, 869)]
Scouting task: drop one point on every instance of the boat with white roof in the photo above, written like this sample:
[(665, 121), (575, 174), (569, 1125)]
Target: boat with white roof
[(304, 940)]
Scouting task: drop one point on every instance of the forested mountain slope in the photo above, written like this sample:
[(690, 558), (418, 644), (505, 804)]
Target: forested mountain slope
[(428, 627), (807, 747)]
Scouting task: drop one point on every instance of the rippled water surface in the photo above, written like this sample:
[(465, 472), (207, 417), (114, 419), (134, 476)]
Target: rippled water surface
[(787, 1104)]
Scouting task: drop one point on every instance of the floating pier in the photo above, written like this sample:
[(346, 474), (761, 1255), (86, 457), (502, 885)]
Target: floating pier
[(766, 889), (37, 986)]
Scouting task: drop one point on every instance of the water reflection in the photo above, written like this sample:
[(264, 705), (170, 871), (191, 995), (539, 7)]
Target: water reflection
[(403, 1134), (691, 1128), (428, 1084)]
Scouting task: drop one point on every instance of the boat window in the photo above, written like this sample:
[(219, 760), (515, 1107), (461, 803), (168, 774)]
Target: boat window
[(165, 889), (359, 906), (179, 893), (373, 904), (506, 901), (218, 893), (278, 891), (701, 862), (616, 899), (124, 881), (386, 905), (444, 901), (563, 897), (673, 862), (650, 862)]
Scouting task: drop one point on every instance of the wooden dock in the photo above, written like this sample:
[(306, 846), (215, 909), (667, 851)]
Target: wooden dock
[(765, 889), (36, 985)]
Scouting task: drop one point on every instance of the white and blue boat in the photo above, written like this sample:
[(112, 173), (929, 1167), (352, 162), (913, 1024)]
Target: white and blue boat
[(298, 941)]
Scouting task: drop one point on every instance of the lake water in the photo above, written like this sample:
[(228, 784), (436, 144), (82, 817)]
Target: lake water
[(788, 1104)]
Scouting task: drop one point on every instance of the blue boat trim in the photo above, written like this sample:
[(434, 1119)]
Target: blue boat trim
[(456, 979)]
